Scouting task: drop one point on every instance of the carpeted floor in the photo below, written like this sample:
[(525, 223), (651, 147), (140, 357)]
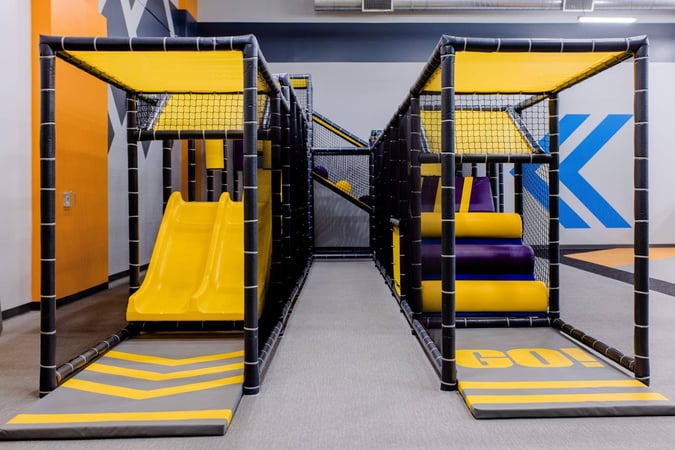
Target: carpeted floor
[(349, 374)]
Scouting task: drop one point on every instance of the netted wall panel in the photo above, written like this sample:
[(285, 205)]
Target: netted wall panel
[(324, 138), (536, 216), (197, 112), (352, 168), (484, 124)]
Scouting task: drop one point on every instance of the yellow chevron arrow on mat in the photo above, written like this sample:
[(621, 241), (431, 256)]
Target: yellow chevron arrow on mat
[(161, 361), (157, 376), (139, 394)]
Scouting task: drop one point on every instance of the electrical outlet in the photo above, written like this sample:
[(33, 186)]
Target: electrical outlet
[(67, 199)]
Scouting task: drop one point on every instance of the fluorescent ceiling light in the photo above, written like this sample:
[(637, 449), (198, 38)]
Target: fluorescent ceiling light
[(601, 19)]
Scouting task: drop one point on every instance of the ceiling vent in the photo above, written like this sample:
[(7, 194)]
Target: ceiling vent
[(377, 5), (577, 5)]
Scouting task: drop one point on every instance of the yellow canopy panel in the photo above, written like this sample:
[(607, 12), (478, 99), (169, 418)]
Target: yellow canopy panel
[(477, 132), (483, 72), (204, 112), (151, 71)]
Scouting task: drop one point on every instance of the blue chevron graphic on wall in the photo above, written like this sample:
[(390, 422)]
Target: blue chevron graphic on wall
[(570, 169)]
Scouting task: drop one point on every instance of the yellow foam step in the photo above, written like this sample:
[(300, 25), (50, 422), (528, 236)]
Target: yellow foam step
[(488, 296), (476, 225)]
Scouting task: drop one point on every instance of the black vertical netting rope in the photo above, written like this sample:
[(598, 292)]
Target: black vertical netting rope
[(47, 222), (132, 173), (518, 188), (251, 363), (448, 362), (167, 186), (192, 171), (641, 215), (415, 228), (276, 280), (554, 212)]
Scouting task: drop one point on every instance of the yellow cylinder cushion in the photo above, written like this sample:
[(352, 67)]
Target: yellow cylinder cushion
[(475, 225), (488, 296)]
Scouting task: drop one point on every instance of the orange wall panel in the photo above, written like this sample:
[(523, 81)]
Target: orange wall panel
[(192, 6), (81, 153)]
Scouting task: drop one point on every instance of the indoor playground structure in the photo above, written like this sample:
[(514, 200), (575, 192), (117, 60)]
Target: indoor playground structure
[(456, 259), (222, 271), (471, 256)]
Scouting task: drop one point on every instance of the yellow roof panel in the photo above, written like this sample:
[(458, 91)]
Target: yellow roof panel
[(147, 71), (485, 72)]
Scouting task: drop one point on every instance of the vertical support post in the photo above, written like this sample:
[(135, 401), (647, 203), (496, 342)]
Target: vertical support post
[(132, 174), (192, 171), (48, 380), (210, 186), (223, 173), (448, 361), (518, 188), (500, 175), (251, 363), (554, 210), (493, 175), (286, 189), (277, 217), (167, 185), (415, 227), (641, 214)]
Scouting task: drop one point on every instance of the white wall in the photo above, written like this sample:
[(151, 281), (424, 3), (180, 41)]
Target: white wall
[(303, 11), (15, 154)]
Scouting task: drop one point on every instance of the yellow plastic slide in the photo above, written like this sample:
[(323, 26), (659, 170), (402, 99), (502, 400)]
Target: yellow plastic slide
[(196, 270)]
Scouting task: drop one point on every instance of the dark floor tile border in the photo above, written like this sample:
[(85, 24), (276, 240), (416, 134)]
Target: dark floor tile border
[(661, 286)]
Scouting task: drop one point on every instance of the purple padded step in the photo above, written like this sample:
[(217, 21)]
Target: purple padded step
[(484, 259), (481, 194)]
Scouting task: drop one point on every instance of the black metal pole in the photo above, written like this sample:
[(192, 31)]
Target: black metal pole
[(554, 210), (167, 185), (192, 171), (448, 361), (415, 227), (251, 364), (641, 212), (223, 173), (286, 190), (47, 222), (132, 174), (518, 188), (500, 169), (210, 186), (277, 216)]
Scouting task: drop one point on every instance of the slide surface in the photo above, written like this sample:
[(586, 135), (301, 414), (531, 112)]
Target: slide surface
[(196, 271)]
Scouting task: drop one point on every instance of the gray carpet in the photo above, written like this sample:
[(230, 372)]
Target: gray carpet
[(349, 374)]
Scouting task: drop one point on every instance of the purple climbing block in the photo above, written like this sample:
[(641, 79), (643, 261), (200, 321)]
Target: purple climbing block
[(481, 194), (483, 259)]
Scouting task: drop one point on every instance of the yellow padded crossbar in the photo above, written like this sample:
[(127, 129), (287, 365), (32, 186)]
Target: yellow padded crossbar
[(488, 296), (476, 225)]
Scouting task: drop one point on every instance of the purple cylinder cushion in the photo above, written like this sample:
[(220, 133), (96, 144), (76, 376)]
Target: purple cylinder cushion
[(483, 259), (480, 200)]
